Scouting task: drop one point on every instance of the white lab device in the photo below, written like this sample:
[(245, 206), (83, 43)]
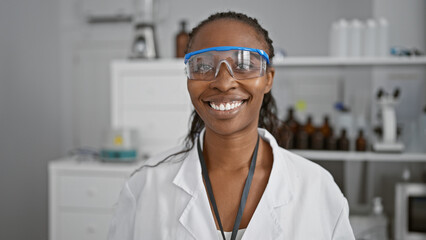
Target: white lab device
[(388, 141)]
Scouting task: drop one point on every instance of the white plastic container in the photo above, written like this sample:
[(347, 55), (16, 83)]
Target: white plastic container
[(383, 38), (342, 38), (355, 32), (370, 38), (333, 39)]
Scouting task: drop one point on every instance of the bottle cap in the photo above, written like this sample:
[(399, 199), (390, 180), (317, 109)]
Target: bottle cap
[(377, 206), (343, 23), (371, 23), (383, 22)]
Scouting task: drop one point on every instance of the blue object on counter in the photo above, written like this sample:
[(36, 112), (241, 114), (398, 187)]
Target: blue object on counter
[(118, 155)]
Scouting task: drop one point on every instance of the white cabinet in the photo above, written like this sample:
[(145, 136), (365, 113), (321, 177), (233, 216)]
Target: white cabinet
[(82, 197), (151, 96)]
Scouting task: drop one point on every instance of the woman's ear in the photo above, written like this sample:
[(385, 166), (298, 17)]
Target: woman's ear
[(270, 73)]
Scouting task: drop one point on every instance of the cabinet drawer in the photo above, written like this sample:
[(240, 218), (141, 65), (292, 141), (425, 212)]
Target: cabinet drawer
[(82, 226), (88, 191)]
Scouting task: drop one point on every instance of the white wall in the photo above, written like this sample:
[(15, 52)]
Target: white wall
[(29, 114), (300, 27), (406, 20)]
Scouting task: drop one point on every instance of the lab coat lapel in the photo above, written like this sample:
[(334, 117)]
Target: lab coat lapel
[(196, 218), (266, 222)]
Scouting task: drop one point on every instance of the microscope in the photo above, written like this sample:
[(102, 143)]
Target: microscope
[(388, 142)]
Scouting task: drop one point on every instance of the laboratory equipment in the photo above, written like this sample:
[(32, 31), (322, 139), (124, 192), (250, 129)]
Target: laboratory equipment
[(410, 211), (144, 41), (388, 141), (120, 145)]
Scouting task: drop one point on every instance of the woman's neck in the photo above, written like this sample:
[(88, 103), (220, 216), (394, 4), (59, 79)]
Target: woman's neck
[(229, 153)]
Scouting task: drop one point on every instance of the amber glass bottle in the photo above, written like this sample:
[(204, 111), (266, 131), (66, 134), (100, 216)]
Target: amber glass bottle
[(331, 143), (181, 40), (326, 131), (343, 141), (293, 125), (361, 142), (317, 140), (302, 139), (325, 128), (309, 128)]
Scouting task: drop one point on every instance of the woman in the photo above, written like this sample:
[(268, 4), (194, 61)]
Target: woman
[(232, 180)]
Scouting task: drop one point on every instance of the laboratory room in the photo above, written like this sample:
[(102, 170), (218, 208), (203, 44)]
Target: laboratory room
[(131, 120)]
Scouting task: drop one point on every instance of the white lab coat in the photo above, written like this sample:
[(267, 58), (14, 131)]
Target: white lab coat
[(169, 201)]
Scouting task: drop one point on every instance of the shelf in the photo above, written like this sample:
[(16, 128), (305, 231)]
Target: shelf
[(348, 61), (361, 156)]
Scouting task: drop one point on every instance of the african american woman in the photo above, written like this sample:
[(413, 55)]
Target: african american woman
[(230, 180)]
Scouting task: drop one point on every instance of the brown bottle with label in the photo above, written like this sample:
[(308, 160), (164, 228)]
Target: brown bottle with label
[(309, 129), (317, 140), (343, 141), (331, 143), (325, 128), (361, 142), (293, 125), (302, 139), (181, 40)]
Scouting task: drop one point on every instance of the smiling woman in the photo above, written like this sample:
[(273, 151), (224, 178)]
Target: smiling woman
[(237, 183)]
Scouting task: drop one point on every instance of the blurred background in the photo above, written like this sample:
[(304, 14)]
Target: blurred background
[(63, 89)]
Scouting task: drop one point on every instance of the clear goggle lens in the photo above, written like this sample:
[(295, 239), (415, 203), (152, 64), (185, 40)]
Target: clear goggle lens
[(241, 64)]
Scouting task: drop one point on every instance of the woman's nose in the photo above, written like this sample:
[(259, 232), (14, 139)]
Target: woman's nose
[(224, 79)]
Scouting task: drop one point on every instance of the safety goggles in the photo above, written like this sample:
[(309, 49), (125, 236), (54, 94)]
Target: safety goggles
[(242, 63)]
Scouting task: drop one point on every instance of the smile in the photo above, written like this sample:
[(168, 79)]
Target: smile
[(225, 106)]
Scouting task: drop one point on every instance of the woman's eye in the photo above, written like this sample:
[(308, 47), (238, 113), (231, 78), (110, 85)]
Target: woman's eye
[(244, 66), (203, 68)]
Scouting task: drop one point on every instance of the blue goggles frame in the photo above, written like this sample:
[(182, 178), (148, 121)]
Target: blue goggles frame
[(227, 48)]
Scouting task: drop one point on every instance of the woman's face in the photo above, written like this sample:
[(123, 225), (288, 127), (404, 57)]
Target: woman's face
[(245, 95)]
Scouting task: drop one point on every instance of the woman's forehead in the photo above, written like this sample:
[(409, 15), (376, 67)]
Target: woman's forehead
[(227, 32)]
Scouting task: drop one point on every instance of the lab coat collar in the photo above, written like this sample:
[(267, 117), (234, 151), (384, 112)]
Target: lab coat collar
[(279, 190), (197, 217)]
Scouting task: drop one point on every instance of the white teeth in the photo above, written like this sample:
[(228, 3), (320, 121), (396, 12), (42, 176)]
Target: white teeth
[(226, 106)]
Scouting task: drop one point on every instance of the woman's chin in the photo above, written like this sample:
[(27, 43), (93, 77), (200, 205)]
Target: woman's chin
[(230, 128)]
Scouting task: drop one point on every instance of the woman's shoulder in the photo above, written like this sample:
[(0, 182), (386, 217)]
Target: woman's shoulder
[(310, 176), (305, 167)]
